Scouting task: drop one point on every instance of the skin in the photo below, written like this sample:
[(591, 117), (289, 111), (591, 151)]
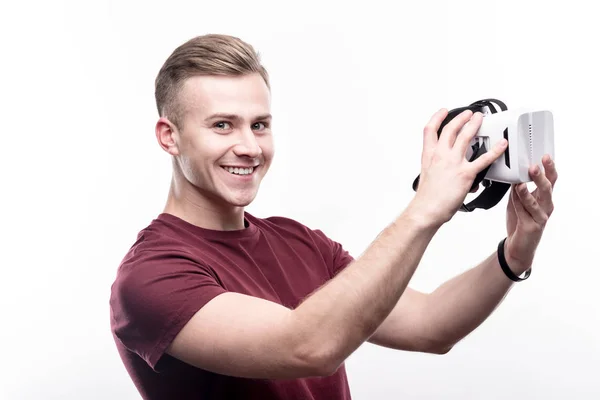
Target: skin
[(202, 192), (370, 299)]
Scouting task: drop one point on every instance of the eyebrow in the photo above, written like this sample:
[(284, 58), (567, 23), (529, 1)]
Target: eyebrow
[(236, 117)]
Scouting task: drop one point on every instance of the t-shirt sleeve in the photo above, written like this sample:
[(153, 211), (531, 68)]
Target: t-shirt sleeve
[(154, 296), (338, 258)]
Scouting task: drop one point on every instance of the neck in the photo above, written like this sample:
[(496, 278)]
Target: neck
[(185, 201)]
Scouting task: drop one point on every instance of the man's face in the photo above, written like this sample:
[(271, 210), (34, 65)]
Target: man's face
[(225, 145)]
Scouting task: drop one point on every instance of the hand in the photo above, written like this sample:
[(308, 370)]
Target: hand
[(446, 174), (527, 215)]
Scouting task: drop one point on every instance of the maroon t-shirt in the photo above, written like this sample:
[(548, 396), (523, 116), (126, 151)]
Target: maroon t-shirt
[(174, 268)]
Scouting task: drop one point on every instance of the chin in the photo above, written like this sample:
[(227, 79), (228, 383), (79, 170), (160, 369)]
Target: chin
[(239, 203), (241, 199)]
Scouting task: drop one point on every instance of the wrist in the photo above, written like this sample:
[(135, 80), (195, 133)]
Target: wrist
[(422, 217), (513, 268), (517, 266)]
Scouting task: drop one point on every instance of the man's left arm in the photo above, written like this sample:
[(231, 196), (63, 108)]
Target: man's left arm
[(435, 322)]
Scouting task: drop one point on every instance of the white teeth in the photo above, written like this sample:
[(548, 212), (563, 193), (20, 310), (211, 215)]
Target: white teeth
[(239, 171)]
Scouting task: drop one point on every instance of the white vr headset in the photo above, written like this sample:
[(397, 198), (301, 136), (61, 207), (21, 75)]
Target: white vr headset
[(530, 135)]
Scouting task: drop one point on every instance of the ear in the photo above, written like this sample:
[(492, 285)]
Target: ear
[(167, 136)]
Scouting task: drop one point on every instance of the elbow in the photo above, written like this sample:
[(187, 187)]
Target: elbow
[(327, 367), (316, 352), (318, 361), (439, 348)]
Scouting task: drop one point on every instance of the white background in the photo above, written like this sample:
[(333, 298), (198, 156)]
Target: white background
[(353, 86)]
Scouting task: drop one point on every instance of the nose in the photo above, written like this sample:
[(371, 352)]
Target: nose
[(247, 145)]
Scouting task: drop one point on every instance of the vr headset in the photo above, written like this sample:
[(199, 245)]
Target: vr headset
[(530, 135)]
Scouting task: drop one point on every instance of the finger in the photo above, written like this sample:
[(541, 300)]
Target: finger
[(544, 188), (450, 131), (489, 156), (522, 214), (531, 205), (430, 137), (468, 132), (550, 169)]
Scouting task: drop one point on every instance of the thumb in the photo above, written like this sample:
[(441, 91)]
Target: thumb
[(490, 156)]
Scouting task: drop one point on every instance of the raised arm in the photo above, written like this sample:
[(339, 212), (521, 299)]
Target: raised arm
[(248, 337), (241, 335), (435, 322)]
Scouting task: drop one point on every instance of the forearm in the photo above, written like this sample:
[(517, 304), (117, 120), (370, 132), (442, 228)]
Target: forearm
[(344, 313), (461, 304)]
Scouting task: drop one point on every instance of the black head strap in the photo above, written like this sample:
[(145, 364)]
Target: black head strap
[(494, 191)]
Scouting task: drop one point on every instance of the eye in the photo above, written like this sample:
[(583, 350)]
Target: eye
[(257, 126), (223, 125)]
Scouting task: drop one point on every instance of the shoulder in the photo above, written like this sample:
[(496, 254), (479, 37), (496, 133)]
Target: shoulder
[(160, 265), (279, 222), (168, 235), (283, 224), (296, 233), (158, 253), (290, 229), (152, 245)]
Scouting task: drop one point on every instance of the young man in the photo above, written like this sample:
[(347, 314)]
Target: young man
[(214, 303)]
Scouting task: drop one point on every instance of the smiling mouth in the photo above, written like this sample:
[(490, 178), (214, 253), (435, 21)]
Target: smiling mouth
[(240, 170)]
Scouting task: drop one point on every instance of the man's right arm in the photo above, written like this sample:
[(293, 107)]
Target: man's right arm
[(240, 335), (244, 336)]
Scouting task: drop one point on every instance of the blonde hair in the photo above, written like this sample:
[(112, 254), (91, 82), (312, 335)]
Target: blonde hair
[(211, 54)]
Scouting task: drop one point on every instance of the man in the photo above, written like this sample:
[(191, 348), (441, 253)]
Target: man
[(214, 303)]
